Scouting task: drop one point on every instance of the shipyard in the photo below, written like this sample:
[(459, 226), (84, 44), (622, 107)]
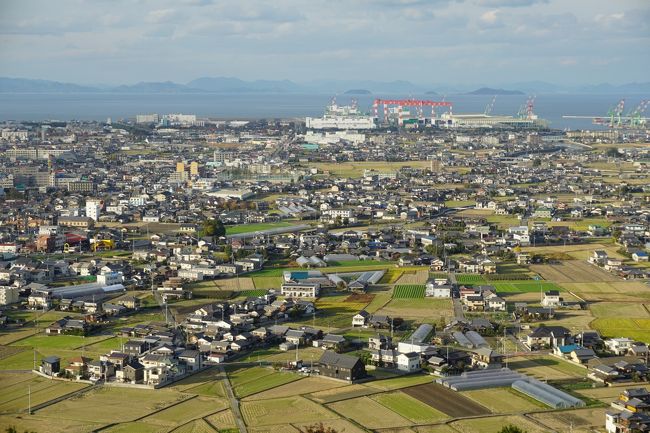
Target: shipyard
[(324, 217)]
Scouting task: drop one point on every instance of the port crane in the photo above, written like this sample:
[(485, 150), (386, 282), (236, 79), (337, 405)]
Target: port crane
[(615, 119), (419, 104)]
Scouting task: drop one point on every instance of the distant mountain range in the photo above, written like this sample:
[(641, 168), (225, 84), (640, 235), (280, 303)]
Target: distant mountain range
[(491, 91), (235, 85)]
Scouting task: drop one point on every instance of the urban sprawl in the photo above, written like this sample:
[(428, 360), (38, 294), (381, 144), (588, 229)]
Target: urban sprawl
[(403, 270)]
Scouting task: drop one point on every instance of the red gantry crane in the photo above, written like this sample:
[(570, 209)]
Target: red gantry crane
[(401, 103)]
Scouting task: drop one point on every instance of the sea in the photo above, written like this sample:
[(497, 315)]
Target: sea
[(101, 106)]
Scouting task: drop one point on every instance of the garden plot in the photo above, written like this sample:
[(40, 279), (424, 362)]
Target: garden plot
[(445, 400), (409, 291), (409, 407)]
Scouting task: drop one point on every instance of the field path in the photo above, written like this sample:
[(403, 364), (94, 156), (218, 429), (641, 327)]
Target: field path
[(234, 403)]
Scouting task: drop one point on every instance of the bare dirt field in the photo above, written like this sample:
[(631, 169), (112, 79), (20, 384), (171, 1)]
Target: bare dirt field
[(446, 400)]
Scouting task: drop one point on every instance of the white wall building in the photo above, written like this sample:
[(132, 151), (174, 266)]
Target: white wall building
[(8, 295)]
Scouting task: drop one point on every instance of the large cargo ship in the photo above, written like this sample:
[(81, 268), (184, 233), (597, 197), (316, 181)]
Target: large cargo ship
[(341, 117)]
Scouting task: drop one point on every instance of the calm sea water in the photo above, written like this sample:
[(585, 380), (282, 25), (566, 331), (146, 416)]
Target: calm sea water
[(99, 106)]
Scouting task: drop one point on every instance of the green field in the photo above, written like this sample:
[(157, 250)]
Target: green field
[(251, 293), (638, 329), (470, 279), (524, 286), (14, 396), (409, 291), (265, 383), (249, 228), (409, 407)]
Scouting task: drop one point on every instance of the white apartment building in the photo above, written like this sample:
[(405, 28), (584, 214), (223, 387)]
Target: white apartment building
[(93, 208), (9, 295)]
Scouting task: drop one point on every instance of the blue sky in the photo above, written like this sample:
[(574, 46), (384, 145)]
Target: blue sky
[(428, 42)]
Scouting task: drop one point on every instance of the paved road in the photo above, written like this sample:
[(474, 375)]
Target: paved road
[(234, 403)]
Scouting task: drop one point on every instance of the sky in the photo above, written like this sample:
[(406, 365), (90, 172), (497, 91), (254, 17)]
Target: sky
[(569, 42)]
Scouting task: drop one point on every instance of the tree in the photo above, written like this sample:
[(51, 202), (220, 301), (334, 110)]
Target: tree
[(213, 227), (612, 152), (511, 429), (320, 428)]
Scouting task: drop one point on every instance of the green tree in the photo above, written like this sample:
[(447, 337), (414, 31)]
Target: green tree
[(613, 152), (214, 228), (511, 429)]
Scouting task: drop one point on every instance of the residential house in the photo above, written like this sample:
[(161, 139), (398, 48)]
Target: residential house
[(343, 367)]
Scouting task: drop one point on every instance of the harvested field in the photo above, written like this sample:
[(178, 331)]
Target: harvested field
[(618, 309), (223, 420), (245, 283), (440, 428), (400, 382), (605, 394), (38, 423), (414, 277), (299, 387), (446, 400), (546, 368), (187, 411), (14, 398), (578, 419), (274, 428), (573, 271), (427, 309), (366, 412), (391, 276), (283, 410), (339, 425), (495, 424), (342, 393), (195, 426), (107, 404)]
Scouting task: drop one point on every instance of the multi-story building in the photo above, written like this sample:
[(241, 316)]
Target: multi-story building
[(93, 208), (9, 295)]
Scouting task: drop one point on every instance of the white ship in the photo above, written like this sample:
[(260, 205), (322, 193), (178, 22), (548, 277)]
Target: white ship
[(341, 117)]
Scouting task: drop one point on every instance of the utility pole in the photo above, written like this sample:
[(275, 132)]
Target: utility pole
[(29, 397)]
